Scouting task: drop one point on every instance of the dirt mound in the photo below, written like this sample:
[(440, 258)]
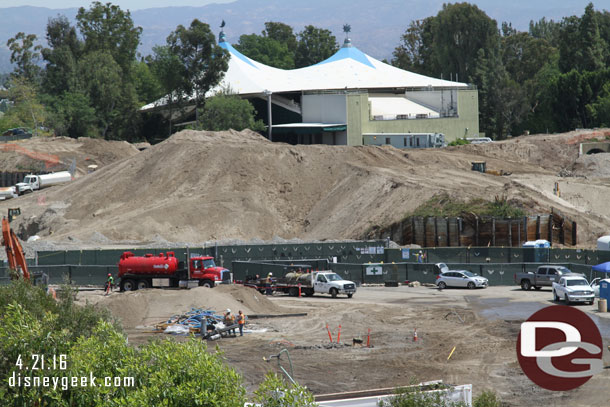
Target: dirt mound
[(201, 186), (594, 165), (147, 307)]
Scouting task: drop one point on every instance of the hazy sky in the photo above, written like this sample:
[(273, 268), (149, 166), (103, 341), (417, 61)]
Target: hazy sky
[(124, 4)]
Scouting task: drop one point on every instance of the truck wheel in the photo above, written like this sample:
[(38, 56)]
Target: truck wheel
[(128, 285), (143, 284), (566, 299), (592, 301), (206, 283), (471, 285), (293, 292), (309, 292), (526, 285), (334, 292), (350, 295)]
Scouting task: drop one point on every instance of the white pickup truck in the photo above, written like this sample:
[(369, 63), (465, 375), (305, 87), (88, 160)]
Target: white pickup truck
[(319, 282), (573, 288)]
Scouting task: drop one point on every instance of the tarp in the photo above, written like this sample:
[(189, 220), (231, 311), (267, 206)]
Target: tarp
[(603, 268)]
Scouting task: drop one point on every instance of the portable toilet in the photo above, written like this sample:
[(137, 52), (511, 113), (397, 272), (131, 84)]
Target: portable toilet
[(539, 252), (603, 243), (604, 289)]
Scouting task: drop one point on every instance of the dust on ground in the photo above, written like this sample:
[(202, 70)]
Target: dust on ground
[(485, 354), (202, 186)]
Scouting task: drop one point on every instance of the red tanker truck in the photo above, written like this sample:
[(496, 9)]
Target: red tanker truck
[(164, 270)]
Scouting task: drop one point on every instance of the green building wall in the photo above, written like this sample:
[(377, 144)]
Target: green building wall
[(466, 123)]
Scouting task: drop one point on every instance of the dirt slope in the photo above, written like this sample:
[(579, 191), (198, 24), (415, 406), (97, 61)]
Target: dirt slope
[(57, 153), (200, 186)]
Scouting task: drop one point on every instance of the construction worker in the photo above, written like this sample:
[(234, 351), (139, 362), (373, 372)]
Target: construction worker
[(109, 284), (241, 320), (268, 282), (230, 320)]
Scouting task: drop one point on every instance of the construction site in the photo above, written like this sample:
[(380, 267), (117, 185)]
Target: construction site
[(206, 190)]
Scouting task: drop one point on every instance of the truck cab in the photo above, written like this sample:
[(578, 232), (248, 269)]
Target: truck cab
[(573, 288), (333, 284), (205, 270), (30, 183)]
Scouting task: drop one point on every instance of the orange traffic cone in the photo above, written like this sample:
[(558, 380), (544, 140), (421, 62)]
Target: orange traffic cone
[(415, 335)]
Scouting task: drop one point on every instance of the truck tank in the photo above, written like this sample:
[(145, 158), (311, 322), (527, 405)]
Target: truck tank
[(148, 264)]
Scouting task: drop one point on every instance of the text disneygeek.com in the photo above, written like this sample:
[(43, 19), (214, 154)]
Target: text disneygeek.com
[(65, 383)]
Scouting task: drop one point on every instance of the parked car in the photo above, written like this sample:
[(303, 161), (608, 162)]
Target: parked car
[(544, 276), (460, 278), (16, 131), (573, 288)]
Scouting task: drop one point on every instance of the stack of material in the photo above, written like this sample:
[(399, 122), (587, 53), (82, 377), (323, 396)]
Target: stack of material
[(191, 322)]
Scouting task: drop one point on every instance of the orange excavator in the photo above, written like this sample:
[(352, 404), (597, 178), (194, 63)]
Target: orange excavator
[(14, 251)]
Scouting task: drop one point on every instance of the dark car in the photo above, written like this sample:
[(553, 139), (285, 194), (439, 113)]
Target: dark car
[(18, 131)]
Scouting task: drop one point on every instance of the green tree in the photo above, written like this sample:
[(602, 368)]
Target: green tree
[(27, 110), (281, 33), (62, 55), (594, 48), (408, 55), (224, 112), (72, 115), (545, 29), (102, 78), (167, 67), (599, 111), (25, 55), (453, 38), (266, 50), (314, 45), (107, 28), (146, 83), (203, 63)]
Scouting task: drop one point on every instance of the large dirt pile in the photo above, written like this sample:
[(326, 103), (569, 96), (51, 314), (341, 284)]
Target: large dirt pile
[(148, 307), (201, 186)]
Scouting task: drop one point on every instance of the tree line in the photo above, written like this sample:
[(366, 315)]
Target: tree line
[(90, 81), (553, 78)]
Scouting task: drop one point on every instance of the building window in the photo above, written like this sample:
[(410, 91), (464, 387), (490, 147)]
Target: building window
[(410, 141), (417, 141), (405, 141), (387, 140)]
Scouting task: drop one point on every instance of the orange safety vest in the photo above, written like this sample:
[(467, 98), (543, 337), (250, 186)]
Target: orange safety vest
[(241, 319)]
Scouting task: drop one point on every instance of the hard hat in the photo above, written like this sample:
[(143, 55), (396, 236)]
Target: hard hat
[(270, 274), (109, 274), (228, 310)]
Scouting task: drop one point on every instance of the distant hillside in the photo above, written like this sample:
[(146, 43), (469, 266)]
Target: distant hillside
[(376, 26)]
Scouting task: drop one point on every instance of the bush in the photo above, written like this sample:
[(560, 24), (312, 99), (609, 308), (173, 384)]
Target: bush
[(274, 392), (459, 142), (443, 205), (487, 399)]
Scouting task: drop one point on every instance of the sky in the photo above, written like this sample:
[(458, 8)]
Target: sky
[(124, 4)]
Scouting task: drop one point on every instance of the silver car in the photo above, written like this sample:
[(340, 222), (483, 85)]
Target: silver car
[(460, 278)]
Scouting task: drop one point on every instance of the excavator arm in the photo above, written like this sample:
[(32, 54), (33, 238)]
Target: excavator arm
[(14, 251)]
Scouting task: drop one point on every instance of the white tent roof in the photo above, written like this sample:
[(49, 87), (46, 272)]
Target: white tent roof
[(348, 68)]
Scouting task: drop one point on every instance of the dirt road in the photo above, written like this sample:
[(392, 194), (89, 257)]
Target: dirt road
[(482, 324)]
